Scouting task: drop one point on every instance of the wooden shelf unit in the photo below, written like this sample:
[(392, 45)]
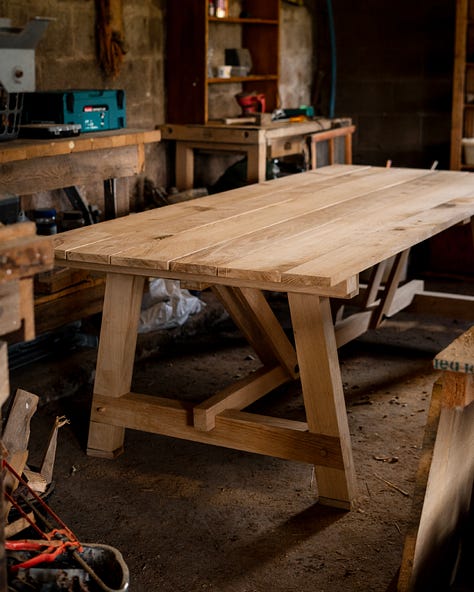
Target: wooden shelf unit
[(462, 123), (187, 67)]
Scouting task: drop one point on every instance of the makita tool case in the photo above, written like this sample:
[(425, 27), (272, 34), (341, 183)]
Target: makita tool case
[(93, 110)]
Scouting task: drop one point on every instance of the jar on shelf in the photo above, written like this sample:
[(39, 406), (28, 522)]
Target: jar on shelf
[(221, 8), (45, 220)]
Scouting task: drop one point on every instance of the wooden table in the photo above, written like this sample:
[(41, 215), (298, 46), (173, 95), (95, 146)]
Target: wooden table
[(307, 235), (258, 143), (29, 166)]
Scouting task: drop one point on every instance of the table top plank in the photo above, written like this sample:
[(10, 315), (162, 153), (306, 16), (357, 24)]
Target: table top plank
[(370, 248), (307, 239), (153, 235), (315, 229)]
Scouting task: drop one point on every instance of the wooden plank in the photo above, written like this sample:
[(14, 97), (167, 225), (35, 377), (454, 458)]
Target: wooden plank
[(314, 247), (58, 278), (27, 312), (10, 316), (371, 247), (16, 433), (352, 327), (457, 306), (4, 376), (322, 392), (404, 296), (79, 302), (215, 223), (30, 149), (421, 481), (16, 436), (157, 225), (375, 283), (55, 172), (291, 228), (234, 429), (49, 458), (264, 317), (18, 525), (238, 396), (442, 500)]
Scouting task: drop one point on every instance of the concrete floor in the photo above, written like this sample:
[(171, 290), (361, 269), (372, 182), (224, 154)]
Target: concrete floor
[(190, 517)]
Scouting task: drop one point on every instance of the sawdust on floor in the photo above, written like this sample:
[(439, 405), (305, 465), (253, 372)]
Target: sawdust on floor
[(191, 517)]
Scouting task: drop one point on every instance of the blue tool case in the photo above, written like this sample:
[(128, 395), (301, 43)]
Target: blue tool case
[(93, 110)]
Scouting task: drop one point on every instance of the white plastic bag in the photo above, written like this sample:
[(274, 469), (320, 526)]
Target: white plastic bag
[(166, 306)]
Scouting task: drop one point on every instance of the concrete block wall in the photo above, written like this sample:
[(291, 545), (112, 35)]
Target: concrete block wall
[(394, 77)]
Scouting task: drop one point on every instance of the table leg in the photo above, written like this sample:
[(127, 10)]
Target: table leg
[(322, 392), (116, 198), (257, 162), (118, 337), (184, 169)]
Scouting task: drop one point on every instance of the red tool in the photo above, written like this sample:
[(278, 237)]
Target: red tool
[(56, 541), (48, 551), (251, 102), (59, 538)]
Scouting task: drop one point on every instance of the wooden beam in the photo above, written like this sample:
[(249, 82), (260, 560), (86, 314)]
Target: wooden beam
[(456, 306), (238, 396), (271, 436)]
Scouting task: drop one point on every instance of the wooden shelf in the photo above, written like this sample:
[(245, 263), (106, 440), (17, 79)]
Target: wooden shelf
[(243, 21), (189, 99), (234, 79)]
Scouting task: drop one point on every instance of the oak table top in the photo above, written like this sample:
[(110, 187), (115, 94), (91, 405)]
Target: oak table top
[(310, 232)]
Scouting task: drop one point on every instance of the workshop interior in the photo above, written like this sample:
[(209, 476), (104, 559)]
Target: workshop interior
[(264, 209)]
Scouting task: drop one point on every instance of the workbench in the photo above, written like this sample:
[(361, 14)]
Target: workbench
[(259, 143), (112, 157), (309, 236), (28, 166)]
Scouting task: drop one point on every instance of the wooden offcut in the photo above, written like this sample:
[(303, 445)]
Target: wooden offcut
[(444, 487)]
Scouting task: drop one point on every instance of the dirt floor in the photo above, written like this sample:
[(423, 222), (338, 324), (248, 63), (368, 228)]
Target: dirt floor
[(191, 517)]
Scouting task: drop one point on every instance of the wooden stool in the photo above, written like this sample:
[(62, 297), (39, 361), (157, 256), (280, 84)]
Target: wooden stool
[(444, 482)]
